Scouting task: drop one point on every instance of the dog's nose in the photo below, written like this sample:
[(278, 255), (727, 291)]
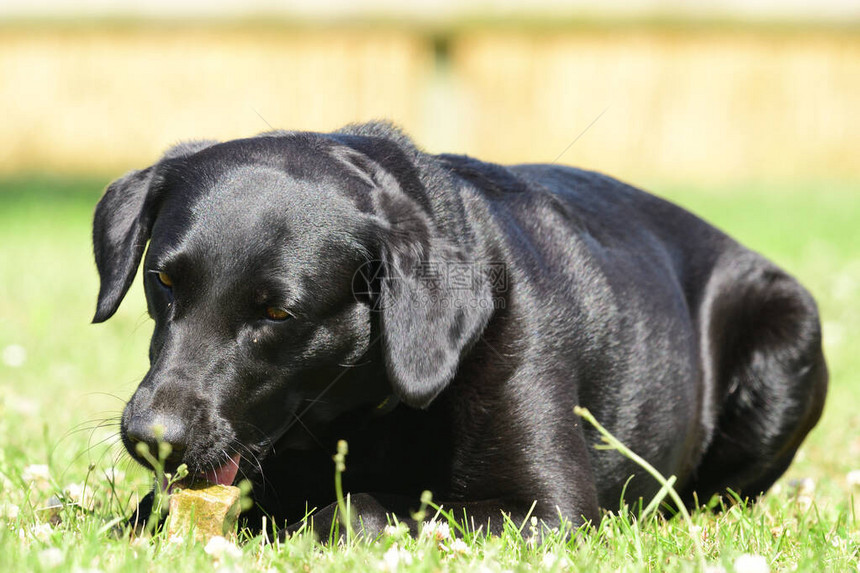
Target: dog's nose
[(155, 430)]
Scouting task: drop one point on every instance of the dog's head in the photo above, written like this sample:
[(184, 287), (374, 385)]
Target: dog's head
[(287, 278)]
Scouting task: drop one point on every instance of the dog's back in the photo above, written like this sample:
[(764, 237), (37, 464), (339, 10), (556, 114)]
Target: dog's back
[(730, 344)]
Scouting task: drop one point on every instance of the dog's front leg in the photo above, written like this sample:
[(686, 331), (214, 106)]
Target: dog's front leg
[(371, 513), (368, 514)]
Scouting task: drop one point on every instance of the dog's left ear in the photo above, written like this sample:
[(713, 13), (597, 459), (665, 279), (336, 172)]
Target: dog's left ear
[(435, 298), (121, 227)]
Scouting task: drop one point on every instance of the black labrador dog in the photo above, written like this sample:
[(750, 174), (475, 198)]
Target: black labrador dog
[(444, 316)]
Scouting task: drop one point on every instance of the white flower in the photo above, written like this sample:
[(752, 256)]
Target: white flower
[(804, 491), (457, 546), (36, 473), (394, 557), (9, 510), (218, 547), (804, 502), (853, 478), (551, 561), (22, 405), (438, 530), (51, 557), (14, 355), (805, 486), (749, 563), (41, 532), (79, 495), (397, 531), (74, 491)]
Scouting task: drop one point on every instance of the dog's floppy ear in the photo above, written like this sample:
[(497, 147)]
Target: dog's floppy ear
[(122, 225), (434, 299)]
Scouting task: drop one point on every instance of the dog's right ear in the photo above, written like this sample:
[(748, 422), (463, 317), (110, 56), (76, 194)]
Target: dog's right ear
[(122, 225)]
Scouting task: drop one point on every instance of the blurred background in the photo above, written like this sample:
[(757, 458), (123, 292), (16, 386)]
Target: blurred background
[(685, 90), (744, 111)]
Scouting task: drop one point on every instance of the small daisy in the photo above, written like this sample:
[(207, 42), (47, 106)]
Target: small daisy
[(14, 355), (51, 558), (392, 558), (437, 530), (749, 563), (36, 473), (218, 547), (457, 546)]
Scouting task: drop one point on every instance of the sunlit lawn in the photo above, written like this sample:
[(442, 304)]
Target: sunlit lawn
[(63, 382)]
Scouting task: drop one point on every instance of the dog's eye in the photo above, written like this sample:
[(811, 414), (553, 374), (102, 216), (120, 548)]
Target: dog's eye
[(275, 313), (165, 279)]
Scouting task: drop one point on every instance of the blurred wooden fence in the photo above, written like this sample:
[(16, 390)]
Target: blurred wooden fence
[(712, 104)]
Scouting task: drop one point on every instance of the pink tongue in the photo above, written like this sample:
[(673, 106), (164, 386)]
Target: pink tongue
[(225, 474)]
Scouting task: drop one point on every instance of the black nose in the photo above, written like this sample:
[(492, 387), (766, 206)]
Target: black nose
[(155, 430)]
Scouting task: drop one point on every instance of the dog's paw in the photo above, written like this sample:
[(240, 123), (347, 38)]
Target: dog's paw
[(367, 516)]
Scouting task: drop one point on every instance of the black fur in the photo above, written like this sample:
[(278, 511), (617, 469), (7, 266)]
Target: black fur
[(447, 316)]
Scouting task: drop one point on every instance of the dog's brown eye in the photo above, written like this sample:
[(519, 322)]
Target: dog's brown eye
[(165, 279), (275, 313)]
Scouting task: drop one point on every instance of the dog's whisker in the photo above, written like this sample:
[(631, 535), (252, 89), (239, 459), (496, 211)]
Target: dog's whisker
[(356, 365), (309, 432), (107, 394), (107, 451), (91, 425), (288, 426), (108, 442), (246, 453)]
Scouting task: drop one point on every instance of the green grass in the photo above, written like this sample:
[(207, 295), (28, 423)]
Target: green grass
[(59, 407)]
